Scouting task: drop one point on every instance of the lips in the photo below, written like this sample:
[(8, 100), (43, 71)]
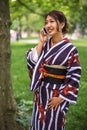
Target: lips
[(50, 30)]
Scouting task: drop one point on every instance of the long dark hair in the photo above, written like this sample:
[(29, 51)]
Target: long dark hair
[(58, 15)]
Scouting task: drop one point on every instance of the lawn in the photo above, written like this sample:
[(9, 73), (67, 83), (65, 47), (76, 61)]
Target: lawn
[(20, 78), (76, 117)]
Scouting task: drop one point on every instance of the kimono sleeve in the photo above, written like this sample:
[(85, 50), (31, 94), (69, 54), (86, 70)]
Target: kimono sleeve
[(72, 81), (32, 58)]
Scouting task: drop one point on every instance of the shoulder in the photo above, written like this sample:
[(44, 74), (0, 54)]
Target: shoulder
[(70, 44), (71, 47), (74, 47)]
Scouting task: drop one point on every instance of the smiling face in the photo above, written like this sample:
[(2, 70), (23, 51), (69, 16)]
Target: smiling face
[(52, 26)]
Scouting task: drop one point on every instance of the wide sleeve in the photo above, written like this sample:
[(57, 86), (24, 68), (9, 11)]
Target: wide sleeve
[(72, 81), (32, 58)]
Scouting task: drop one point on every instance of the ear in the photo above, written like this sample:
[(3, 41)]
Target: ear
[(62, 25)]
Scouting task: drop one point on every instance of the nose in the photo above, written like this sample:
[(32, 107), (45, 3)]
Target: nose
[(48, 24)]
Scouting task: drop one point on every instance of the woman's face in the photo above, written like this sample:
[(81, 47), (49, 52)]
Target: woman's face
[(51, 26)]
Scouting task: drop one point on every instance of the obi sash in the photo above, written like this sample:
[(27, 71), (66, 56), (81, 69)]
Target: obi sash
[(54, 74)]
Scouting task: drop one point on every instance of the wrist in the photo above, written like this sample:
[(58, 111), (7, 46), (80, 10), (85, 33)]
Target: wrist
[(41, 42), (39, 47)]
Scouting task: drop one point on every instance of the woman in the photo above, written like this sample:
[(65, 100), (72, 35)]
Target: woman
[(55, 73)]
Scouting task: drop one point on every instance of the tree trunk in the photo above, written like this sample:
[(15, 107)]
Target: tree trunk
[(7, 100)]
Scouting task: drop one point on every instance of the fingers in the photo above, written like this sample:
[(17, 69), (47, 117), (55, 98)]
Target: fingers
[(56, 107), (50, 104), (53, 103), (43, 31)]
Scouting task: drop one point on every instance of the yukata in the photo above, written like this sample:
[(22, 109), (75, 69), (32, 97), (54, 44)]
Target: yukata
[(56, 72)]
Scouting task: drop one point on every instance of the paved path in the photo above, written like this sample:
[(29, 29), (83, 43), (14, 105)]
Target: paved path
[(30, 41), (35, 41)]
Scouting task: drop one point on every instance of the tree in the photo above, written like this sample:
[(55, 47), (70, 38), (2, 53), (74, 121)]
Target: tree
[(74, 10), (7, 100)]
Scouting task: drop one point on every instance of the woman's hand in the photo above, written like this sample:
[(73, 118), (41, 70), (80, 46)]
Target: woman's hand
[(43, 39), (54, 102), (43, 36)]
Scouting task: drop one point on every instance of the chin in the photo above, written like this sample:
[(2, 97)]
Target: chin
[(51, 34)]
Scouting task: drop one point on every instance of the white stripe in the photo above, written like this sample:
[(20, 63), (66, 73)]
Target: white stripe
[(73, 78), (74, 68), (32, 60), (67, 108), (56, 119), (43, 126), (32, 115), (71, 101), (47, 85), (72, 94), (63, 120), (29, 58), (71, 86), (51, 55), (53, 47), (33, 77), (68, 76), (76, 80), (29, 65), (40, 103), (51, 119), (46, 104), (77, 75), (64, 104), (61, 50), (67, 56), (36, 118), (38, 125), (74, 54), (47, 96), (34, 88), (28, 55), (55, 52)]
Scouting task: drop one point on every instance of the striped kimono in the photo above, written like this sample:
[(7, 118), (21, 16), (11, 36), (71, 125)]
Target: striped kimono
[(62, 56)]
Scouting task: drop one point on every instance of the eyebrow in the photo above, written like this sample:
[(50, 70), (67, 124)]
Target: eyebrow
[(50, 19)]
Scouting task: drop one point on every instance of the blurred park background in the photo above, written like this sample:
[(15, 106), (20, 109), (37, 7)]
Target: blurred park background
[(27, 18)]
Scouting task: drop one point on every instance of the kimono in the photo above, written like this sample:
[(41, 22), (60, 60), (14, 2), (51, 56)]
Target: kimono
[(56, 73)]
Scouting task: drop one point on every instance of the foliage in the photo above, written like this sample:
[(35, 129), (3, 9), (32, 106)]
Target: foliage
[(74, 10), (24, 113)]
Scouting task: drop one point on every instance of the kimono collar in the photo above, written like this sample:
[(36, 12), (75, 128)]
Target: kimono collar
[(64, 39)]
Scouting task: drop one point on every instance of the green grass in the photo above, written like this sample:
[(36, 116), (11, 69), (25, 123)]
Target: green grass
[(80, 41), (76, 116), (20, 78)]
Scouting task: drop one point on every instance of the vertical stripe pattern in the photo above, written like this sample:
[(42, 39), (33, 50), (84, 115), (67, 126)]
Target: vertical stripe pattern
[(63, 53)]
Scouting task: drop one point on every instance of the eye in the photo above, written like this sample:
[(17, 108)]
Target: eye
[(52, 21)]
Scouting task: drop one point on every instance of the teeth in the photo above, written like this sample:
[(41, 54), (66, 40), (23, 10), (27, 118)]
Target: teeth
[(50, 30)]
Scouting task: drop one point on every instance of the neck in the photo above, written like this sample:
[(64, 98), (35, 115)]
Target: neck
[(56, 39)]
